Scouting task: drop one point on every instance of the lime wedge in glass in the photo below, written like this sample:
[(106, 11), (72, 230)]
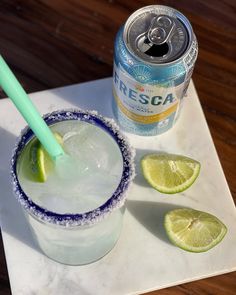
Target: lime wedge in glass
[(40, 162), (169, 173), (193, 230)]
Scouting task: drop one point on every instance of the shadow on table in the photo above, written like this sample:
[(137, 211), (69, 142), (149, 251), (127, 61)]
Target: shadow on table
[(13, 221), (151, 215)]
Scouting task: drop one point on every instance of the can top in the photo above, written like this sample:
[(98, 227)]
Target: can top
[(157, 34)]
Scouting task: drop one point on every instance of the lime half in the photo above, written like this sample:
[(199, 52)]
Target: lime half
[(193, 230), (169, 173), (40, 162)]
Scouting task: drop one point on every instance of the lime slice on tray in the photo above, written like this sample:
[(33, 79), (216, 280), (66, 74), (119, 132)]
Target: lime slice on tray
[(40, 162), (169, 173), (193, 230)]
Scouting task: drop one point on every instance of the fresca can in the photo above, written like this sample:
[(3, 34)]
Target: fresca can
[(154, 57)]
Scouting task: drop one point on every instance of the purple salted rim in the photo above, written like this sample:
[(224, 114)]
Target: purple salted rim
[(87, 218)]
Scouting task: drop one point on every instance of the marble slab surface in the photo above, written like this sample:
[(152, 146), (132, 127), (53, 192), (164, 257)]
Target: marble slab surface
[(143, 259)]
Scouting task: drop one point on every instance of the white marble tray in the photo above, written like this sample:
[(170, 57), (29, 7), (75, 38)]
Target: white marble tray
[(143, 259)]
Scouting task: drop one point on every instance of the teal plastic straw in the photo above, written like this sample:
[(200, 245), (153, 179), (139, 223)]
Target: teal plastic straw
[(16, 93)]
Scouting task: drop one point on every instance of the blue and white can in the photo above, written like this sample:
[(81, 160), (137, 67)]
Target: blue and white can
[(154, 56)]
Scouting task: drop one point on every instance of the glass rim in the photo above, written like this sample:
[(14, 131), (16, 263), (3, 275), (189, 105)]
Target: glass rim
[(116, 200)]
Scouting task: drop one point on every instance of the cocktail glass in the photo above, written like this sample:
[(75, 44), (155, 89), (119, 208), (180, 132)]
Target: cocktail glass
[(81, 237)]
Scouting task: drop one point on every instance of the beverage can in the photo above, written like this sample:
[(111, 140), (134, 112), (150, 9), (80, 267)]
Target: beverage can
[(154, 56)]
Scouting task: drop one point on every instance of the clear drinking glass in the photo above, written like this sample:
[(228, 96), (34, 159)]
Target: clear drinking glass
[(81, 237)]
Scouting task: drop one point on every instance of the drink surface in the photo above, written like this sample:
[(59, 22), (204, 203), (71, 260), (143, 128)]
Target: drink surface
[(154, 57), (96, 174)]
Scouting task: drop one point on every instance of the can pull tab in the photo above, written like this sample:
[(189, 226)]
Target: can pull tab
[(160, 29)]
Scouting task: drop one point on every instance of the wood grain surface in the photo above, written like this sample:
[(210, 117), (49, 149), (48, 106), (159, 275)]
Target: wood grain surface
[(51, 43)]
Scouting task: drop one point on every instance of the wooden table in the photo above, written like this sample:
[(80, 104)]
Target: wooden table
[(51, 43)]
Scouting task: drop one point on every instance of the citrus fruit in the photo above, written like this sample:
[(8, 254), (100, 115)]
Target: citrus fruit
[(193, 230), (41, 163), (169, 173)]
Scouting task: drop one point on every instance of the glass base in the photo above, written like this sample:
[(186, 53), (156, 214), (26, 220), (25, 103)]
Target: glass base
[(78, 246)]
